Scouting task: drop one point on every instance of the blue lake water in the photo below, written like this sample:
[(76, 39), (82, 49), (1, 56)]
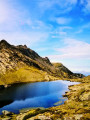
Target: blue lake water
[(28, 95)]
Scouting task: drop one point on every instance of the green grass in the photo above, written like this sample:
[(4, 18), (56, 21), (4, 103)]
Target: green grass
[(26, 74)]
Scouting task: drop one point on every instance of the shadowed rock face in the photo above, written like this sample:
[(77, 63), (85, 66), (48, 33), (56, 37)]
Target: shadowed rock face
[(12, 57), (4, 44)]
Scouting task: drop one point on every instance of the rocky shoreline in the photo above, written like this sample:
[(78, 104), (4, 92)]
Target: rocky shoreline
[(77, 107)]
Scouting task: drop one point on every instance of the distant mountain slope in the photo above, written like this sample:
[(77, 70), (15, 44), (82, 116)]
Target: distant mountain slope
[(16, 57)]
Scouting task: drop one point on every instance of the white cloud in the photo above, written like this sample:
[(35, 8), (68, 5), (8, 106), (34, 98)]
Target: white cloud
[(64, 5), (86, 26), (13, 17), (61, 32), (61, 3), (82, 1), (10, 18), (62, 20), (39, 25), (86, 4), (65, 28), (83, 27), (72, 1), (17, 27), (73, 49), (3, 11), (75, 55), (79, 31)]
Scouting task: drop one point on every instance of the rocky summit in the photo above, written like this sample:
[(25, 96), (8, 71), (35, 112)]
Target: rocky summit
[(21, 58)]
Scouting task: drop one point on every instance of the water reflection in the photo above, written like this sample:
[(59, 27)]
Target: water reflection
[(40, 94)]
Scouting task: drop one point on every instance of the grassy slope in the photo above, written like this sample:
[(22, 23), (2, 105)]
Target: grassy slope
[(25, 74)]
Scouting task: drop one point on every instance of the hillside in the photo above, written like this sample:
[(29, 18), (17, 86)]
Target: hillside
[(21, 64)]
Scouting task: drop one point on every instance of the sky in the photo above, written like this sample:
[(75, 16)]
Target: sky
[(58, 29)]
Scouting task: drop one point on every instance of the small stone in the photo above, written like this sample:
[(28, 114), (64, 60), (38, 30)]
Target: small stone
[(5, 112)]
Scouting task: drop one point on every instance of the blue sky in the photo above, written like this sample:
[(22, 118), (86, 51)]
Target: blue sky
[(59, 29)]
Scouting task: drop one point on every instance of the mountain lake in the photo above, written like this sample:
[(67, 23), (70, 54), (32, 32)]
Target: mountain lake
[(33, 95)]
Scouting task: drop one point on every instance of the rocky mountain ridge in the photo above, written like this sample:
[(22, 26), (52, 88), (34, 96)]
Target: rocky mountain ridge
[(15, 57)]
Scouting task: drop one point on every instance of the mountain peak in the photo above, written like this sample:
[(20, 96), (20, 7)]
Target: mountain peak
[(4, 43)]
